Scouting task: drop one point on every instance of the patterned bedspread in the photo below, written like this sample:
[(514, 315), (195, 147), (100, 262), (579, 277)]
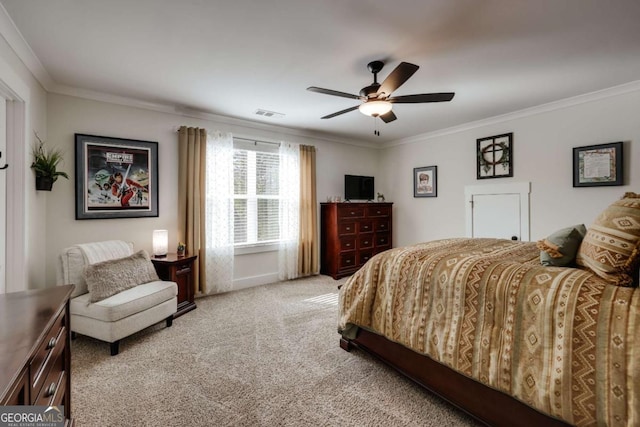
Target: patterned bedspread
[(559, 339)]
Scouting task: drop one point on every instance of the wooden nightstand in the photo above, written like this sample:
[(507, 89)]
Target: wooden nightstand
[(180, 270)]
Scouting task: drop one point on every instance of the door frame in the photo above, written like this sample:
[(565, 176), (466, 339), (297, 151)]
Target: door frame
[(523, 189), (17, 94)]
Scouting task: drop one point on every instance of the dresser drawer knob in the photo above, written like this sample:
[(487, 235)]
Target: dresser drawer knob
[(348, 244), (352, 213), (52, 343), (50, 390), (348, 261), (366, 243), (348, 228), (378, 212)]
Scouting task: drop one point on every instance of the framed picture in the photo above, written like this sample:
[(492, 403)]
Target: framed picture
[(597, 165), (425, 181), (116, 178), (495, 156)]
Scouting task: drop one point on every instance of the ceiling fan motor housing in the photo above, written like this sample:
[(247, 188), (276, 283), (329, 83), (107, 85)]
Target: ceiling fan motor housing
[(370, 91)]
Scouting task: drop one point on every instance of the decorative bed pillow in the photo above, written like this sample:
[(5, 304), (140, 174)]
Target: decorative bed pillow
[(611, 247), (105, 279), (560, 248)]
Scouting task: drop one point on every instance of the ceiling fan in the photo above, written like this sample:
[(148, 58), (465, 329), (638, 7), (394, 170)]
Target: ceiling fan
[(376, 98)]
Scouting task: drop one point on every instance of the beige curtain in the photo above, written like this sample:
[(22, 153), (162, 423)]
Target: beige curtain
[(191, 197), (308, 248)]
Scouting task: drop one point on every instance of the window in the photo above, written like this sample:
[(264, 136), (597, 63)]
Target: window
[(256, 196)]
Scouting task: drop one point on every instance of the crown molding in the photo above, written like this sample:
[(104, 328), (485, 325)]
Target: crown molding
[(199, 114), (527, 112), (10, 32), (16, 41)]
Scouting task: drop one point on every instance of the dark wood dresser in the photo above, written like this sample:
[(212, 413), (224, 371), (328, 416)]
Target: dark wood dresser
[(35, 355), (351, 233)]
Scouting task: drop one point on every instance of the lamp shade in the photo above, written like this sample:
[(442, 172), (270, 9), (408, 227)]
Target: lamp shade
[(160, 243), (375, 108)]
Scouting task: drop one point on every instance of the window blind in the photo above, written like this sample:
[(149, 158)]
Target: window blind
[(256, 196)]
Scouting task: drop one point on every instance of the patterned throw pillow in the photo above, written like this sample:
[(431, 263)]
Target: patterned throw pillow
[(107, 278), (611, 247), (559, 249)]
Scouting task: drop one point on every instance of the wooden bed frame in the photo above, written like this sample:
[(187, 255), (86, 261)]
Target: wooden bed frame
[(486, 404)]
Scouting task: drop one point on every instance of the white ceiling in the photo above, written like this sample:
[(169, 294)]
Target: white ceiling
[(231, 58)]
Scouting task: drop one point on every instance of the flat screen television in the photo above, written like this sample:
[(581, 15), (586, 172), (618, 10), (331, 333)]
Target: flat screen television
[(358, 187)]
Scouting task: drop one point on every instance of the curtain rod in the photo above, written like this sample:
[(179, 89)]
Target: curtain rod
[(256, 141), (250, 139)]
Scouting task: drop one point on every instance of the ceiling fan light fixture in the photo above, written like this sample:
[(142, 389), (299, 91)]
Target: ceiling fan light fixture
[(375, 108)]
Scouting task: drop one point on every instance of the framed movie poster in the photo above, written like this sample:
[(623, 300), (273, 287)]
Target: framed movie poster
[(116, 178)]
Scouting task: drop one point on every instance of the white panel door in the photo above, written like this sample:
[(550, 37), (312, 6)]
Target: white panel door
[(496, 215), (498, 210)]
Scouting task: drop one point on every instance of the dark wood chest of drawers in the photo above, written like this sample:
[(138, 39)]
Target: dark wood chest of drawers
[(351, 233), (35, 361)]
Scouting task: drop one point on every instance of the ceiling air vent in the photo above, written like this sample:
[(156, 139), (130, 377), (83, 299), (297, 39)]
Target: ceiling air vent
[(269, 114)]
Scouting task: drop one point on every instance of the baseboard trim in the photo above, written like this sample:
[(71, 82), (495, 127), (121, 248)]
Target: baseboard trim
[(249, 282)]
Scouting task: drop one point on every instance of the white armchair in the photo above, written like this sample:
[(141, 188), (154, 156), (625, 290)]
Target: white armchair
[(122, 314)]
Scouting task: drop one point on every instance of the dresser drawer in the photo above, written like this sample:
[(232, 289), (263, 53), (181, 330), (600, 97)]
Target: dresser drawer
[(382, 240), (54, 386), (53, 368), (382, 225), (365, 241), (378, 211), (345, 228), (41, 363), (366, 226), (350, 212), (365, 256), (348, 243), (347, 260)]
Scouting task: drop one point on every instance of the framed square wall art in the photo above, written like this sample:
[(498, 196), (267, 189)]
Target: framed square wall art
[(425, 181), (597, 165), (495, 156), (116, 178)]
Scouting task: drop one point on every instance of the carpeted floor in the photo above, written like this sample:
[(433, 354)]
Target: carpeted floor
[(264, 356)]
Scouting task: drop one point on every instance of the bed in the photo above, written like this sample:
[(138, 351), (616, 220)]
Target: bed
[(515, 343)]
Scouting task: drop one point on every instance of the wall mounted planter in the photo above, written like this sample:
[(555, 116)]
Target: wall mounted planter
[(44, 183)]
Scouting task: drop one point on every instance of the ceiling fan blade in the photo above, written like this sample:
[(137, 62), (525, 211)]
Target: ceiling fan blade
[(333, 92), (397, 78), (423, 97), (388, 117), (340, 112)]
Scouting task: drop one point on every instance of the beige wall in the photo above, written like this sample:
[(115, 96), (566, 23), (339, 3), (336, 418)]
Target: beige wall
[(69, 115), (542, 155)]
